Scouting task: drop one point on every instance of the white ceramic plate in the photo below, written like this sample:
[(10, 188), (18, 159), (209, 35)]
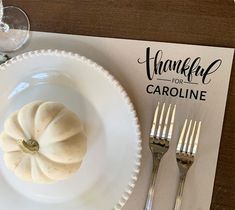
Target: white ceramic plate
[(109, 171)]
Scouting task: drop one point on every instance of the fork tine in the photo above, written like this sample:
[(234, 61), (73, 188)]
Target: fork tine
[(152, 132), (180, 143), (171, 124), (160, 122), (190, 145), (166, 122), (196, 139), (187, 137)]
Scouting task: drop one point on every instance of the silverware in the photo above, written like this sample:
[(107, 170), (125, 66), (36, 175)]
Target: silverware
[(185, 153), (159, 138)]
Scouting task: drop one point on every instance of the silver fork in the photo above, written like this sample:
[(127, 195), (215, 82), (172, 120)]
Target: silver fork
[(159, 138), (185, 153)]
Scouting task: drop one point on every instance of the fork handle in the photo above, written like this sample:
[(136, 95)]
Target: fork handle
[(178, 200), (149, 200)]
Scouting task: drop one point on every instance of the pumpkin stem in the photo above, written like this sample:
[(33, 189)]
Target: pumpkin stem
[(29, 146)]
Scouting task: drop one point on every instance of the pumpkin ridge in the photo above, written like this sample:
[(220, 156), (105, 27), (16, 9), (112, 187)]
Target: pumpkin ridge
[(40, 167), (18, 124), (66, 139), (24, 159), (35, 114), (28, 135), (40, 156), (40, 170), (53, 161), (19, 161), (10, 136), (56, 118), (48, 122), (10, 139), (13, 137)]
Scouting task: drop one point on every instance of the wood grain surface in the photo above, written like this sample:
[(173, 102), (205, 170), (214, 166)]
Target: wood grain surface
[(203, 22)]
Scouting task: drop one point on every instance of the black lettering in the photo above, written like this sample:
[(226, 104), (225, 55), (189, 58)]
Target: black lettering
[(203, 95), (216, 64), (187, 67), (165, 90), (158, 62), (176, 92), (147, 89), (157, 90), (180, 95), (176, 65), (167, 65), (193, 94)]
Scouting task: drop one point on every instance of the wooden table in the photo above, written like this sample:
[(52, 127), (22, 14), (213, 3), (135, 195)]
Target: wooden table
[(203, 22)]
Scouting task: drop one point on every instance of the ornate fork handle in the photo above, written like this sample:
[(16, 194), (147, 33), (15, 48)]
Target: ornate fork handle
[(178, 200), (149, 200)]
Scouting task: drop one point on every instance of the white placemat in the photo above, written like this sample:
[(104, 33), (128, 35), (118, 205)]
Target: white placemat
[(120, 57)]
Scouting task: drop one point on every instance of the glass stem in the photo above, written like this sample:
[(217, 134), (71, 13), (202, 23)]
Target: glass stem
[(1, 10), (3, 26)]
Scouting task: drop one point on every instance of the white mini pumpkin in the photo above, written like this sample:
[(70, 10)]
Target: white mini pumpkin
[(43, 142)]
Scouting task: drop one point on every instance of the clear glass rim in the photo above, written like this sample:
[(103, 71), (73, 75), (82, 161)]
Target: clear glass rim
[(28, 22)]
